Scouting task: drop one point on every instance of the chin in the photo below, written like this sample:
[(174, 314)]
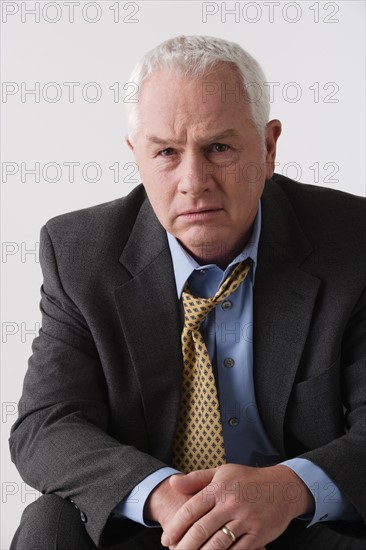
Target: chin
[(209, 249), (208, 241)]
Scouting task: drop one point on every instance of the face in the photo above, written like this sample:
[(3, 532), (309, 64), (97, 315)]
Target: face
[(201, 160)]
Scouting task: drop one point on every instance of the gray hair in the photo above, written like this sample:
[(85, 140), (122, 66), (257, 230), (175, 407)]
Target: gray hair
[(196, 56)]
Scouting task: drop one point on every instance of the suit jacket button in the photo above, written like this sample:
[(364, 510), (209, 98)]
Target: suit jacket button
[(83, 517), (75, 505)]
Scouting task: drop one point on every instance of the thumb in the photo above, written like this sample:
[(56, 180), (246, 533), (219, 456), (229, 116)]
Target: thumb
[(192, 482)]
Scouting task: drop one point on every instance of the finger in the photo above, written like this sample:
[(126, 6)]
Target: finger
[(187, 515), (220, 539), (192, 482), (207, 531)]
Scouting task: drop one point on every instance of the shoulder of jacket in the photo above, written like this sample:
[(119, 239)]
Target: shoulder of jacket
[(94, 222), (321, 207)]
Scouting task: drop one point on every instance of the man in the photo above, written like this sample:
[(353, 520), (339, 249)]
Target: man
[(125, 387)]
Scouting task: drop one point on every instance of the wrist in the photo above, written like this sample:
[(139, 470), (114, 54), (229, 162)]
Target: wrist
[(296, 492), (154, 505)]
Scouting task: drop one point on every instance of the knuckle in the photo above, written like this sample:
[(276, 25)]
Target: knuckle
[(230, 504), (217, 544), (187, 511), (200, 531)]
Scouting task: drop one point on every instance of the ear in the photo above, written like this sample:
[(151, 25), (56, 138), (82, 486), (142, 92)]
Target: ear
[(273, 132), (128, 142)]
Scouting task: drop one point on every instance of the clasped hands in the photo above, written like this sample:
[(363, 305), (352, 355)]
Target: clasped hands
[(255, 504)]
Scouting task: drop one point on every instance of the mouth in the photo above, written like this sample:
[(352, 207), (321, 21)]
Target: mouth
[(201, 212), (201, 215)]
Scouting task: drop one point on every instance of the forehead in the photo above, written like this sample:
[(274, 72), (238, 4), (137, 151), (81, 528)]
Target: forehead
[(176, 102)]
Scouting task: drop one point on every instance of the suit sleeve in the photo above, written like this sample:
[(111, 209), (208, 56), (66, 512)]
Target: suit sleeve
[(60, 442), (344, 459)]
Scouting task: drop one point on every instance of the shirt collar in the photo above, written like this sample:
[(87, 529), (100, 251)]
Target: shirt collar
[(184, 264)]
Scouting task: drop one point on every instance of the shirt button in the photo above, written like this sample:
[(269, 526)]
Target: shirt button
[(226, 305), (83, 517), (233, 422), (203, 271), (229, 362)]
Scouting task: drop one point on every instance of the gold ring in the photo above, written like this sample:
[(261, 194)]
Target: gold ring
[(228, 533)]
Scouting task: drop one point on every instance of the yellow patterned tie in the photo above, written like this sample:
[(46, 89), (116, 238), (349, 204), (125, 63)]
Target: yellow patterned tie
[(199, 441)]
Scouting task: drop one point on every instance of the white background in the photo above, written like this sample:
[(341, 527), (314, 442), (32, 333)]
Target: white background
[(313, 51)]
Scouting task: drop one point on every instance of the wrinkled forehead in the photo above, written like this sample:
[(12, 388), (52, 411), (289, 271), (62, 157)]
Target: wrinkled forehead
[(174, 101)]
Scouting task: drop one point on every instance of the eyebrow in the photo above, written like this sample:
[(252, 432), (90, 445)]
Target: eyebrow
[(162, 141)]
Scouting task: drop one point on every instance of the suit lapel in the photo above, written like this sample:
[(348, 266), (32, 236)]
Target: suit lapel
[(284, 298), (150, 318)]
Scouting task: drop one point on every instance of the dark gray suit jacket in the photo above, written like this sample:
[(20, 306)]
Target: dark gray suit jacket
[(101, 393)]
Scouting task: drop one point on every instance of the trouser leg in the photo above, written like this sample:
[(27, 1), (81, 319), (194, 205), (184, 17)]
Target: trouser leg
[(296, 537), (318, 537), (51, 523), (120, 535)]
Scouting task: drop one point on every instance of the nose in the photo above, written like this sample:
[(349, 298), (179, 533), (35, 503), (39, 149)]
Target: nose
[(195, 176)]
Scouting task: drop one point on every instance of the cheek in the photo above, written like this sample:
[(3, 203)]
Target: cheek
[(157, 172), (157, 197), (158, 185), (162, 201), (253, 166)]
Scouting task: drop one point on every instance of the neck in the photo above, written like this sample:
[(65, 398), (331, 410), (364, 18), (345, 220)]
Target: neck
[(217, 253)]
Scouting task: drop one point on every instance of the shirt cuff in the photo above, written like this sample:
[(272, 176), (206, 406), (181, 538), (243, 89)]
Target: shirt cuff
[(132, 506), (330, 503)]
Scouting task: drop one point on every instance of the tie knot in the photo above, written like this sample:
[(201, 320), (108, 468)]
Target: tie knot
[(197, 308)]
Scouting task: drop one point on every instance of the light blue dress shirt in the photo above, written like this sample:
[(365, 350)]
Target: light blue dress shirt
[(227, 331)]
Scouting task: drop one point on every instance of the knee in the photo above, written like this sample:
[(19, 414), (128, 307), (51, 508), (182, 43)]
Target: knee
[(51, 522)]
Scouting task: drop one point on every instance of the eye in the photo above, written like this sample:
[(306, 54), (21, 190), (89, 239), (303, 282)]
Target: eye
[(166, 152), (220, 147)]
